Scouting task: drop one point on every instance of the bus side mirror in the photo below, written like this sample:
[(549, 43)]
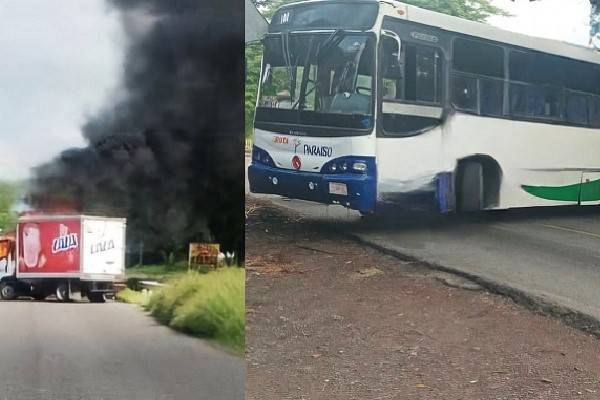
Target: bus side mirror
[(396, 38)]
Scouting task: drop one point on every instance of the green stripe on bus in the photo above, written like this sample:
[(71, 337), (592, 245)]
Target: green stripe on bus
[(589, 191)]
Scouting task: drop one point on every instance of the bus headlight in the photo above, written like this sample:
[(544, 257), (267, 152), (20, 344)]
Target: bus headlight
[(359, 166), (260, 156), (349, 164)]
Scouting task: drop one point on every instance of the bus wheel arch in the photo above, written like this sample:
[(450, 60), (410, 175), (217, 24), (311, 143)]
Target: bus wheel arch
[(477, 183)]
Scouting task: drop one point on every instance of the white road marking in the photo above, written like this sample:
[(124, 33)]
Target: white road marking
[(562, 228)]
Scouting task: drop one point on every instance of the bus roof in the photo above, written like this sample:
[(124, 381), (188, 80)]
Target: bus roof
[(476, 29), (486, 31)]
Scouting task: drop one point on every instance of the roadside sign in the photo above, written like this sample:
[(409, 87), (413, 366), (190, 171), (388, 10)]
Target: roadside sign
[(203, 254)]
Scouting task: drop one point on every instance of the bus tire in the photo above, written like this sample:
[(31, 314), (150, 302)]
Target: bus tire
[(470, 187), (8, 291)]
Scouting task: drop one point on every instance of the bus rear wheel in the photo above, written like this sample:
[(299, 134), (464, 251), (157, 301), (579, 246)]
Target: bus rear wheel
[(470, 187)]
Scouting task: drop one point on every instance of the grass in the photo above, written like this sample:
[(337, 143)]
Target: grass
[(158, 272), (133, 297), (209, 305)]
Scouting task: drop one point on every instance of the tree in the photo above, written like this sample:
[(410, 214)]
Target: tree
[(8, 196)]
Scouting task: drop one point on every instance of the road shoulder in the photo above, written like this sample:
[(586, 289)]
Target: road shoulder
[(346, 321)]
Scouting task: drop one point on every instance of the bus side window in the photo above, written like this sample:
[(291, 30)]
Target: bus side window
[(422, 74), (594, 111), (576, 108), (464, 92), (392, 70), (478, 77), (417, 78), (491, 96)]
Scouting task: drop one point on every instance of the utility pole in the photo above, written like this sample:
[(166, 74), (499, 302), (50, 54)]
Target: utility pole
[(141, 255)]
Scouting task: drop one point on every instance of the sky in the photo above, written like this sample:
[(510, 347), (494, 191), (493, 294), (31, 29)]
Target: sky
[(566, 20), (60, 60)]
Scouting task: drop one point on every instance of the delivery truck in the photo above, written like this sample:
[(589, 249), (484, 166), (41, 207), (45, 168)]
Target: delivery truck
[(64, 255)]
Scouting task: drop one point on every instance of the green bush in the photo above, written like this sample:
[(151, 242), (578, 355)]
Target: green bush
[(180, 289), (208, 305), (131, 296), (159, 272)]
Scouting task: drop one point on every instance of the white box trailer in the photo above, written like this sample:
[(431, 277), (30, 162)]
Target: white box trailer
[(64, 255)]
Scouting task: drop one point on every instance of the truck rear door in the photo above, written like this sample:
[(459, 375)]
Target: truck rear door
[(103, 247)]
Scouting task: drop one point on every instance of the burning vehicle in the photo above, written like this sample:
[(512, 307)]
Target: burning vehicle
[(65, 255)]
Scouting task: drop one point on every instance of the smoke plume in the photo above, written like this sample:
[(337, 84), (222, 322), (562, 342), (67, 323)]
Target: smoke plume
[(167, 152)]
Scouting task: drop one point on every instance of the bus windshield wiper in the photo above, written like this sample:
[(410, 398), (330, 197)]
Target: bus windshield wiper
[(321, 53), (285, 49), (331, 41), (351, 66), (312, 89), (305, 74)]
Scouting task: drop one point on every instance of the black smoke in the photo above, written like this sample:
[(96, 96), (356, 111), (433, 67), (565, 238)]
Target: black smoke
[(167, 151)]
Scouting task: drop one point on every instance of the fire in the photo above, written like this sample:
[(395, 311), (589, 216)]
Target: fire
[(4, 248)]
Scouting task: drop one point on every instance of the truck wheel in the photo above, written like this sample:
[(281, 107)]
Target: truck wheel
[(470, 187), (62, 291), (96, 297), (7, 291)]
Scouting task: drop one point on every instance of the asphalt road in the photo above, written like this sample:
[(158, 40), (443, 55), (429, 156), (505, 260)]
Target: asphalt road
[(552, 254), (58, 351)]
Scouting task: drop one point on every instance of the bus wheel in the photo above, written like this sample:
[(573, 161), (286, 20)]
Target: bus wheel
[(470, 187), (7, 291), (62, 291)]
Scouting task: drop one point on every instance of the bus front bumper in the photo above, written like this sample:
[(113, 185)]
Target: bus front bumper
[(360, 190)]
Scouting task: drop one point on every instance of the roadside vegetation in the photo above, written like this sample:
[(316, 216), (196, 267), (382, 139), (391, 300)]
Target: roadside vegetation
[(156, 272), (209, 305), (134, 297), (9, 194)]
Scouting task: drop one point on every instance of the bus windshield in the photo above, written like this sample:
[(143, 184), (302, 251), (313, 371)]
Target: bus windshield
[(317, 79)]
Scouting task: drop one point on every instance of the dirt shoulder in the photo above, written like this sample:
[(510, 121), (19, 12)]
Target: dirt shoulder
[(328, 318)]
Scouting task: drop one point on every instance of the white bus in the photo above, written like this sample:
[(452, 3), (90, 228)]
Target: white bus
[(368, 102)]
